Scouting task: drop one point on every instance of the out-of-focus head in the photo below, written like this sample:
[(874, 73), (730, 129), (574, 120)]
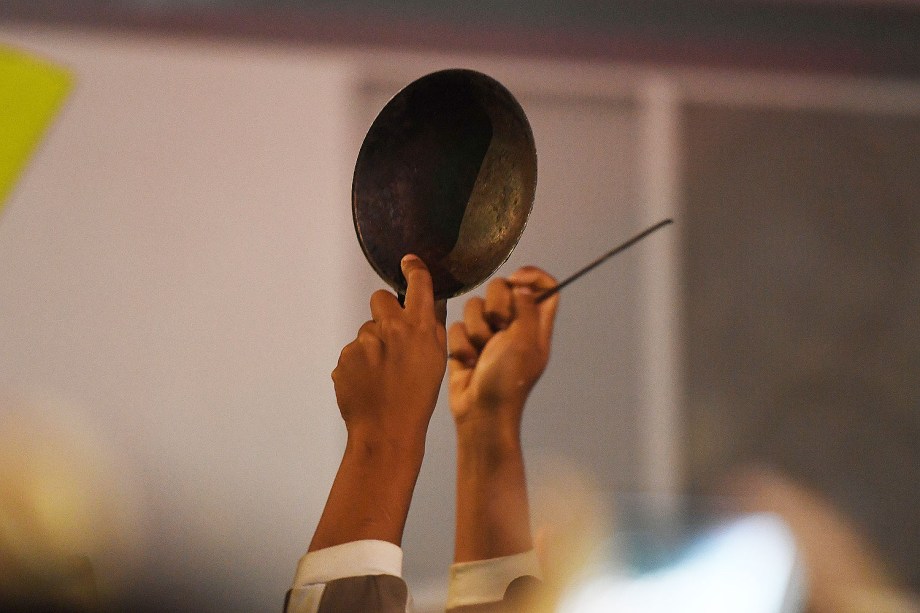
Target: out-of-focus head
[(845, 573), (63, 509), (572, 528)]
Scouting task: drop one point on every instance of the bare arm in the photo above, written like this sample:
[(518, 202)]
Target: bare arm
[(386, 385), (498, 353)]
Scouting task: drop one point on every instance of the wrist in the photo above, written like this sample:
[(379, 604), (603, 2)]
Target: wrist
[(372, 491), (488, 451), (493, 516), (500, 427), (404, 449)]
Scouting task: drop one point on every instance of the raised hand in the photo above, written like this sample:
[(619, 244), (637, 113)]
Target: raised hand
[(498, 352), (386, 386), (501, 348), (387, 379)]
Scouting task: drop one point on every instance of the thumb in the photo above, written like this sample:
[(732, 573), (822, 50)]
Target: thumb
[(526, 313), (419, 287)]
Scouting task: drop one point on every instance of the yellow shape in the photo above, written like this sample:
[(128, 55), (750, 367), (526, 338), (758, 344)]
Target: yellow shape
[(31, 93)]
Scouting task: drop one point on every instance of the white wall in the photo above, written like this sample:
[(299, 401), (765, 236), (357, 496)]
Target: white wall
[(171, 268)]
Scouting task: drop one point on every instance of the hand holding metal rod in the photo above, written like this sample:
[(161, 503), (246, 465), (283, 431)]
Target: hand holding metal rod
[(638, 237)]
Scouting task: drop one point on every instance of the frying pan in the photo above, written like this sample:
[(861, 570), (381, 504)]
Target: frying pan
[(447, 171)]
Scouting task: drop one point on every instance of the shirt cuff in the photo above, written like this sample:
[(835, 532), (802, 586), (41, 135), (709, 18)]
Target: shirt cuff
[(485, 581), (353, 559)]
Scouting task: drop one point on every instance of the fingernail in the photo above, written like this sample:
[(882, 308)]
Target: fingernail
[(524, 290), (408, 258)]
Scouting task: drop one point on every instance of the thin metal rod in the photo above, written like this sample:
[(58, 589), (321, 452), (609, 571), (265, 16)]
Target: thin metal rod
[(604, 258)]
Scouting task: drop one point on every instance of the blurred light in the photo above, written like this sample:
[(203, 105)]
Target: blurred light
[(751, 566), (68, 517)]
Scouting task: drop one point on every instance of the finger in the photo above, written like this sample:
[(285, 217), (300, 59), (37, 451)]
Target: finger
[(368, 333), (338, 366), (463, 357), (459, 377), (536, 278), (344, 357), (462, 352), (384, 305), (539, 281), (419, 288), (441, 333), (498, 304), (478, 331), (440, 311), (526, 313)]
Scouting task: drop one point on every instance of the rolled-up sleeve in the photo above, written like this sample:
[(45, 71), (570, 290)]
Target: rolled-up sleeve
[(479, 585), (357, 576)]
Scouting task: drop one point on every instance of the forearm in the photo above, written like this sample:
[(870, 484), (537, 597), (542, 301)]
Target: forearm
[(493, 515), (371, 493)]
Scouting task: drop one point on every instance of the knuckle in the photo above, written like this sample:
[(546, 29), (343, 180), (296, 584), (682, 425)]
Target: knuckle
[(531, 270), (380, 298), (473, 306), (416, 274), (498, 305), (337, 372), (534, 274), (479, 337), (497, 285), (495, 318), (344, 354), (394, 326)]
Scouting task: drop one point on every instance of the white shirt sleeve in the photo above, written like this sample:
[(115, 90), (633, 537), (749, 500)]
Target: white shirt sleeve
[(354, 559), (485, 581)]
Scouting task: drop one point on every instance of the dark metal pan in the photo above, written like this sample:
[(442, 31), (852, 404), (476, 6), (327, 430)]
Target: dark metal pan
[(447, 171)]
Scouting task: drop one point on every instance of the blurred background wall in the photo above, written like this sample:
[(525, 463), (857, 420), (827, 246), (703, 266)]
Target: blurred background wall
[(178, 267)]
